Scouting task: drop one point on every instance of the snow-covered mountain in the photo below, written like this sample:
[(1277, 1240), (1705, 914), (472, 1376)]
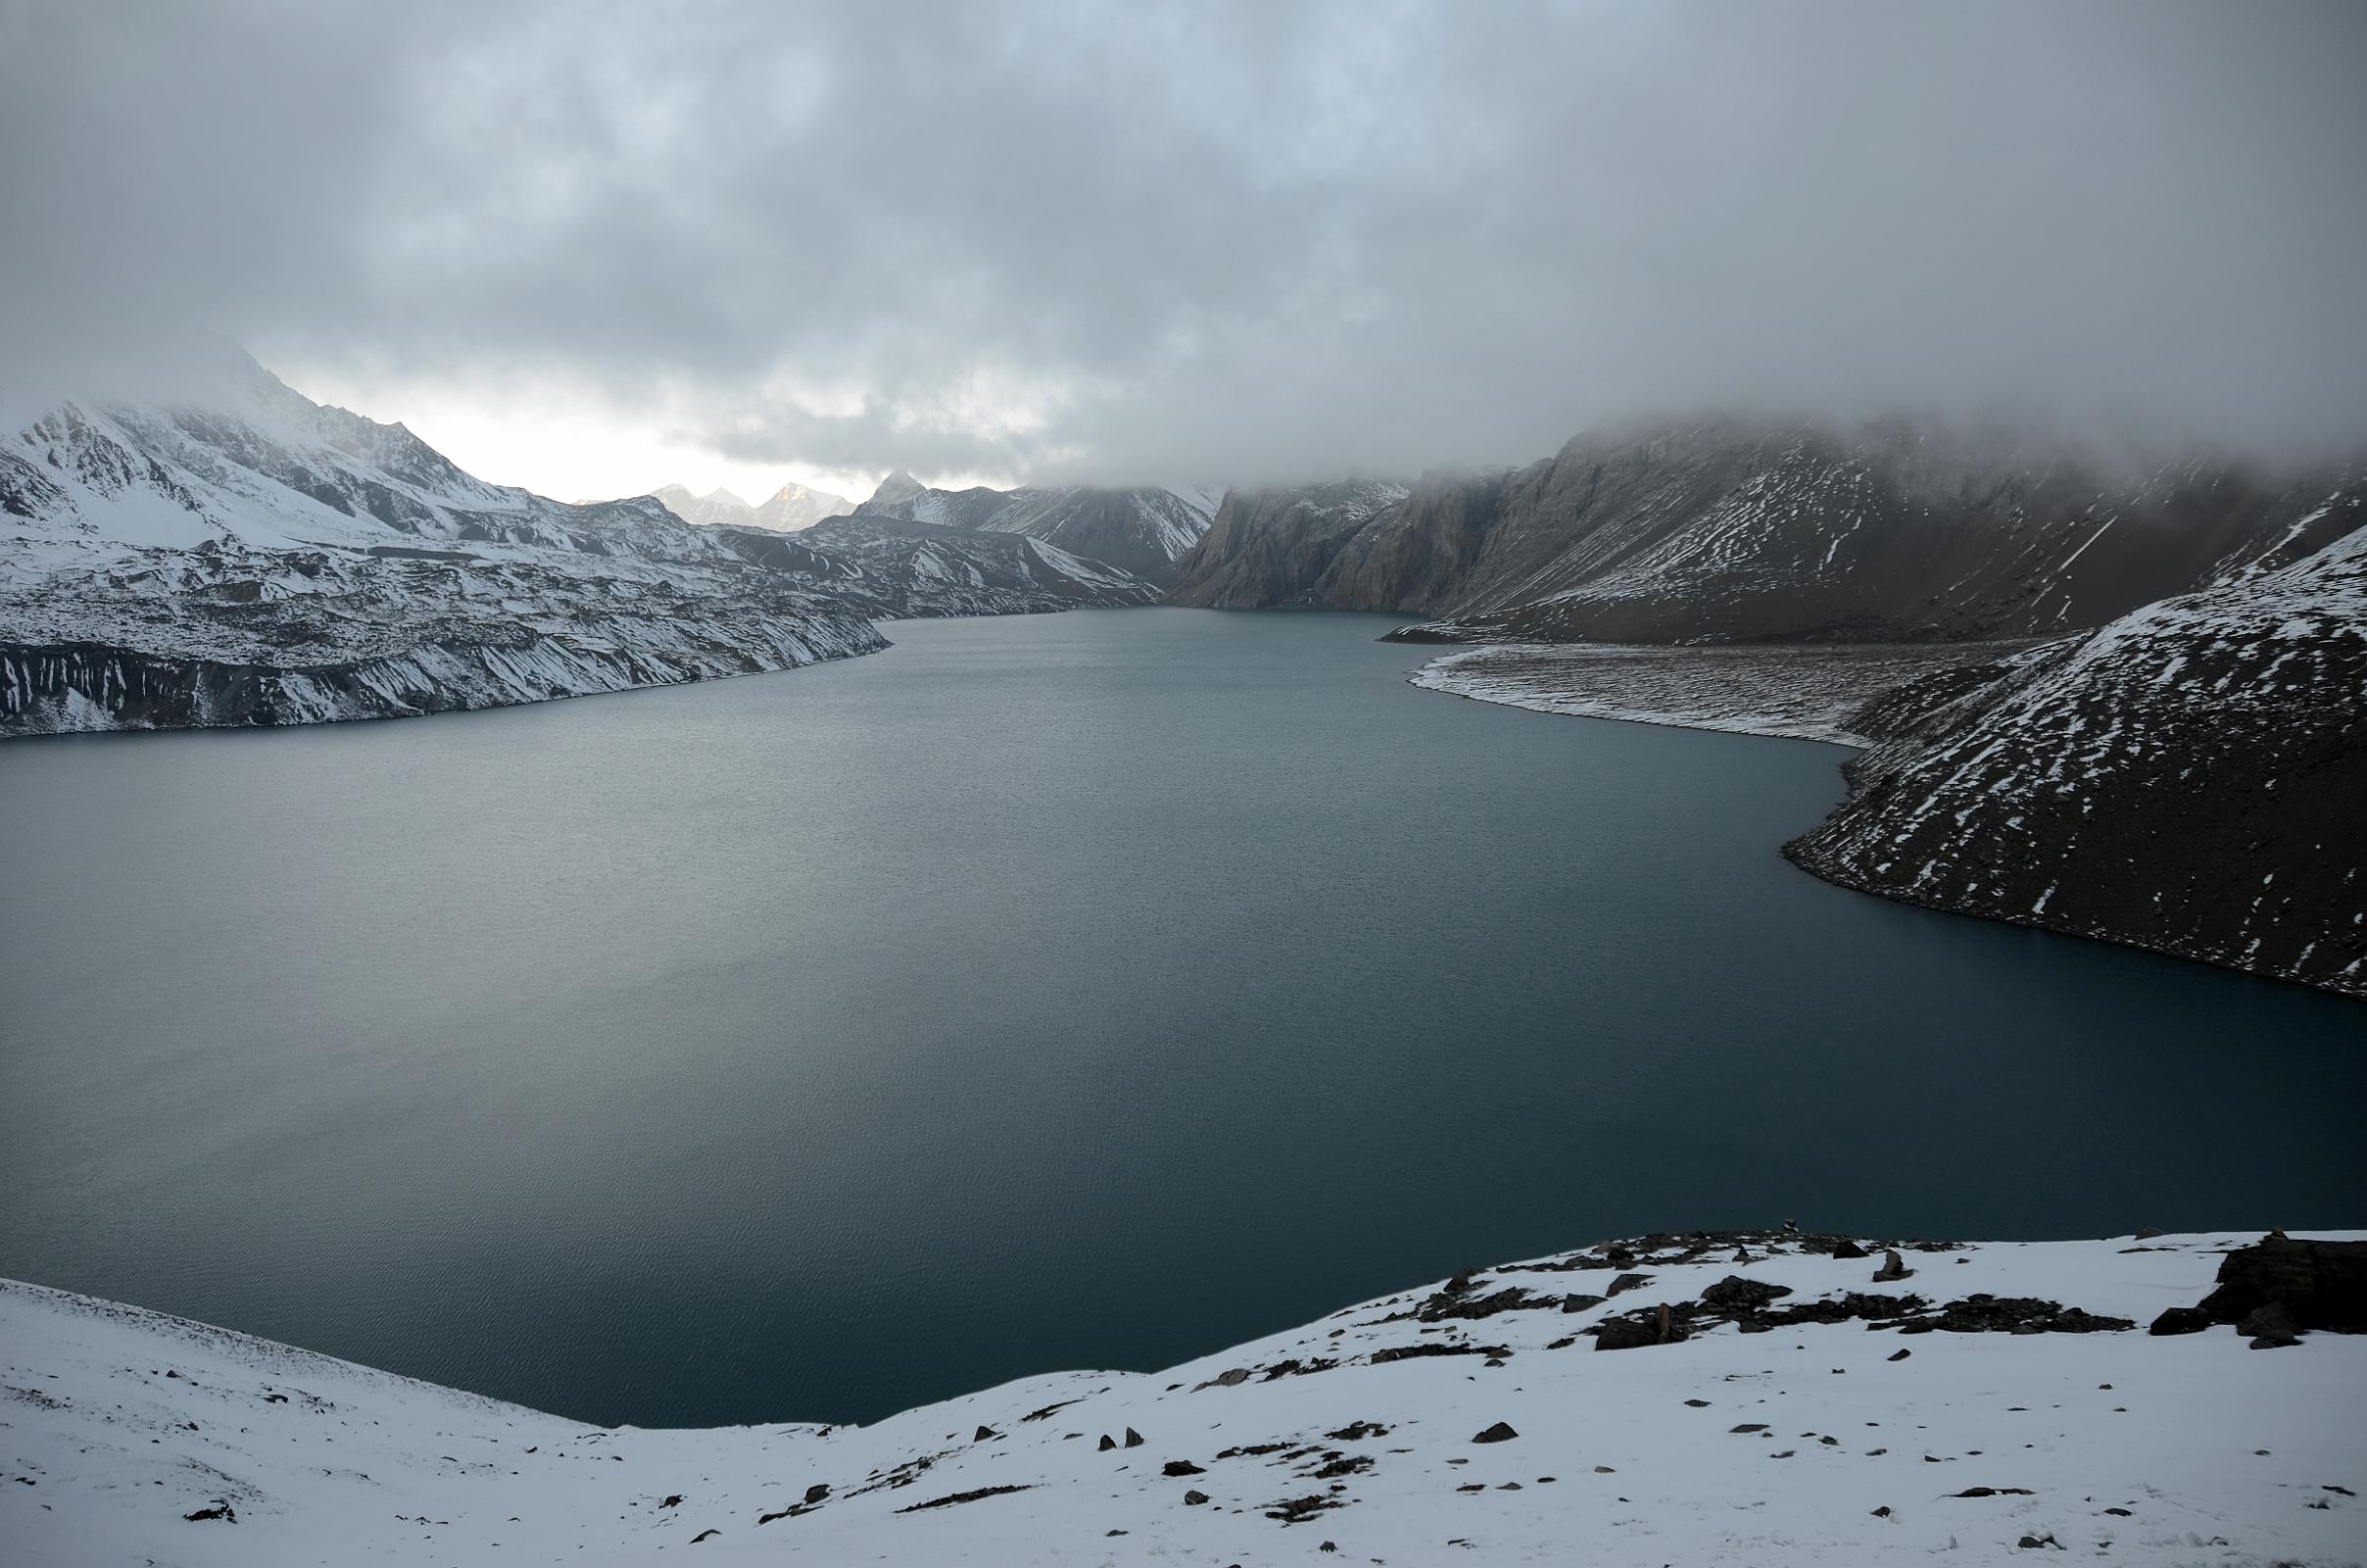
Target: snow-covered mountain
[(1140, 529), (795, 506), (1777, 1399), (236, 553), (1742, 531), (716, 508), (786, 511)]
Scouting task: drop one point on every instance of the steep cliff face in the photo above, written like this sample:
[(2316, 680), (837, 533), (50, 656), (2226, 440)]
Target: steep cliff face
[(1273, 547), (2188, 779), (1737, 531)]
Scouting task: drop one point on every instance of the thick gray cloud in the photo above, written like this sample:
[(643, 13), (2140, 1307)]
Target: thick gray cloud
[(1231, 241)]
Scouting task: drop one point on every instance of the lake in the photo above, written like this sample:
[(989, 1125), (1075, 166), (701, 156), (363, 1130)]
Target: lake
[(1089, 990)]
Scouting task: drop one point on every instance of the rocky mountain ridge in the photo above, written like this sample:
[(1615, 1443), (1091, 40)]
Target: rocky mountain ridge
[(1741, 530)]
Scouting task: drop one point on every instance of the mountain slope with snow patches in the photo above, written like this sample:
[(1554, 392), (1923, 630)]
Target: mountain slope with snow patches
[(1142, 531), (2188, 778), (1781, 1405)]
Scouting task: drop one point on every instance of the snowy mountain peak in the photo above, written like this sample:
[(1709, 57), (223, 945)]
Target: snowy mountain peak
[(895, 488)]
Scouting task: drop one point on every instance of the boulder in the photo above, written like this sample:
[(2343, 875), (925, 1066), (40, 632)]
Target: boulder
[(2323, 1285), (1738, 1294), (2180, 1320), (1501, 1432)]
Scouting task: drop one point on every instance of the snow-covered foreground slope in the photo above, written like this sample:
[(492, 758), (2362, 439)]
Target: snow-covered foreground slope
[(1470, 1422)]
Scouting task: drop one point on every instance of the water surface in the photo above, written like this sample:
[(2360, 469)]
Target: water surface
[(1060, 991)]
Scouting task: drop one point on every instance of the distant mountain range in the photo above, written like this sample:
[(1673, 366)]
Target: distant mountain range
[(786, 511)]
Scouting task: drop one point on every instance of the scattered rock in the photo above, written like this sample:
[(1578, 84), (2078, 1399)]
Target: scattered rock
[(1748, 1426), (2180, 1320), (220, 1510), (1628, 1282), (1697, 1404), (1900, 1355), (1108, 1443), (1498, 1432), (1850, 1248), (672, 1500), (816, 1492), (703, 1535), (1883, 1512), (2032, 1543), (1134, 1438), (1181, 1467), (963, 1497), (1357, 1431), (984, 1432), (1579, 1303), (1192, 1499)]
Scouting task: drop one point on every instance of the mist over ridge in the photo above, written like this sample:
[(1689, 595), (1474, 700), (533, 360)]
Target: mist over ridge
[(1233, 243)]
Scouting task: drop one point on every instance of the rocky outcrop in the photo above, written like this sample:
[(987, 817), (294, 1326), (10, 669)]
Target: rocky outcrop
[(2187, 779)]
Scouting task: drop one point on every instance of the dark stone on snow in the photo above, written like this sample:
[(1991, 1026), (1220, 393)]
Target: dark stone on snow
[(1847, 1249), (816, 1492), (1180, 1467), (2180, 1320), (703, 1535), (1108, 1443), (1628, 1282), (1134, 1438), (1900, 1355), (220, 1510), (1579, 1303), (1192, 1499), (965, 1496), (2323, 1285), (1735, 1292), (984, 1432), (1498, 1432)]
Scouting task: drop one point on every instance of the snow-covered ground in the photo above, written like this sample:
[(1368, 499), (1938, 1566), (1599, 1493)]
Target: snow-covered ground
[(1807, 1443), (1812, 692)]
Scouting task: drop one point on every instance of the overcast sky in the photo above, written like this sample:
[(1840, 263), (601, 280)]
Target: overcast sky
[(595, 247)]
